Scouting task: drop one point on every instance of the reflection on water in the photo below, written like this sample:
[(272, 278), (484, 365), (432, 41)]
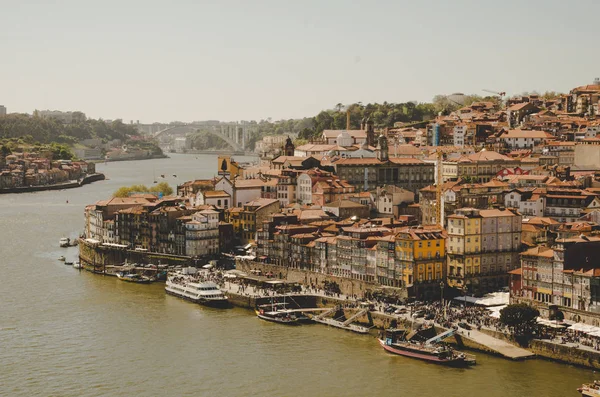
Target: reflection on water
[(70, 333)]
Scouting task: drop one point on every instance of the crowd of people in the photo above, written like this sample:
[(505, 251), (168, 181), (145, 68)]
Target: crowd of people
[(445, 315)]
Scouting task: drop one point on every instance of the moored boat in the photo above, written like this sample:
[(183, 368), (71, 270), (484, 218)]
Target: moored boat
[(203, 292), (77, 265), (61, 258), (268, 313), (68, 263), (64, 242), (134, 278), (590, 389), (429, 350)]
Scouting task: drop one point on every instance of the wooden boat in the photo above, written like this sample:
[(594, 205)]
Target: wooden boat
[(61, 258), (68, 263), (429, 350), (281, 317), (134, 278), (590, 389)]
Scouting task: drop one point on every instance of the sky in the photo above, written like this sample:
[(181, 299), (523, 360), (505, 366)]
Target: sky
[(161, 61)]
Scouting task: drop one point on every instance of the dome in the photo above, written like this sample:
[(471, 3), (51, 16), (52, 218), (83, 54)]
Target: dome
[(344, 139)]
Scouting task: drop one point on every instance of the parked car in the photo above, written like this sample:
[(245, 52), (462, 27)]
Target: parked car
[(418, 314), (389, 309), (464, 325), (429, 316), (401, 310)]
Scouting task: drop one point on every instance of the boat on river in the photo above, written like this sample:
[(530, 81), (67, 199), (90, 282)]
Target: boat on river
[(61, 258), (77, 265), (68, 263), (270, 312), (64, 242), (134, 278), (203, 292), (395, 342), (590, 389)]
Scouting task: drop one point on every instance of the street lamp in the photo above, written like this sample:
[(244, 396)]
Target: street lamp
[(442, 298), (465, 292)]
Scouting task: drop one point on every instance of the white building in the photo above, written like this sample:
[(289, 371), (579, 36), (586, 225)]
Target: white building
[(460, 132), (241, 191), (304, 189), (202, 234), (524, 139), (217, 198), (356, 137), (528, 202)]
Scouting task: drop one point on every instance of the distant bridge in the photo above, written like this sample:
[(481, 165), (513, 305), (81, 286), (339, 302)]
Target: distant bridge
[(235, 134)]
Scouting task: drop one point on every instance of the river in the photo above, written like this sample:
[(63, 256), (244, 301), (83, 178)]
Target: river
[(70, 333)]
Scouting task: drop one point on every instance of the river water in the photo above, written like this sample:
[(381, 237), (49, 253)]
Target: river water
[(70, 333)]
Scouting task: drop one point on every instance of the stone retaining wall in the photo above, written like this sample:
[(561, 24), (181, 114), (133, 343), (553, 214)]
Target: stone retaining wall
[(347, 286), (96, 257), (565, 354)]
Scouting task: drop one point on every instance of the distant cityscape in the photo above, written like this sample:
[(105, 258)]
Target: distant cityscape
[(494, 195)]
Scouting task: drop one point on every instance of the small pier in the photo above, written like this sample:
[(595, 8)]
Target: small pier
[(496, 345)]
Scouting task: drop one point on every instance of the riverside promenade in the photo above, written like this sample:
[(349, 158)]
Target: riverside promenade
[(498, 345), (488, 342)]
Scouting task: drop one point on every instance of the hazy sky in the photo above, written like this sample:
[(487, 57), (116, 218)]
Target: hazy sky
[(231, 60)]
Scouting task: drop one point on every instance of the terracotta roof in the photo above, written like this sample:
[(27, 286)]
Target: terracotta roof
[(357, 161), (540, 250), (216, 193), (519, 106), (527, 134), (344, 204), (403, 160), (494, 213)]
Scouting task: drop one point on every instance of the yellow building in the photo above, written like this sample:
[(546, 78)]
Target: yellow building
[(227, 165), (246, 218), (482, 246), (421, 253), (464, 246)]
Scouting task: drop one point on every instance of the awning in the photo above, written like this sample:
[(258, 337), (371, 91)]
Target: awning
[(551, 323), (585, 328)]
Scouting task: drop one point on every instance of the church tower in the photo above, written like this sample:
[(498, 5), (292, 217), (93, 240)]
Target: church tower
[(370, 131), (289, 148), (382, 148)]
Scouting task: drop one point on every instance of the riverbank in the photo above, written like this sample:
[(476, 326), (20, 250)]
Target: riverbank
[(58, 186), (222, 152), (134, 158), (105, 260)]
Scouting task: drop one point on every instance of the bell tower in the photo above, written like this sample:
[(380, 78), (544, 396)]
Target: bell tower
[(382, 148)]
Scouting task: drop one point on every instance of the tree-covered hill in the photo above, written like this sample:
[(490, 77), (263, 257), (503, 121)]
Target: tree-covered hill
[(46, 130)]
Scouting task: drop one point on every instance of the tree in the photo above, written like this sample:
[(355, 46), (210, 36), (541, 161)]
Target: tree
[(127, 191), (5, 151), (520, 318), (163, 188)]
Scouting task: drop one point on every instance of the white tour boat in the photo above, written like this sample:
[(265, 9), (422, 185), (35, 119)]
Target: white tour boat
[(197, 291)]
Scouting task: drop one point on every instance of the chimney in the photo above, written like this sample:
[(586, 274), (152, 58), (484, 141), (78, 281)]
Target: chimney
[(348, 119)]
